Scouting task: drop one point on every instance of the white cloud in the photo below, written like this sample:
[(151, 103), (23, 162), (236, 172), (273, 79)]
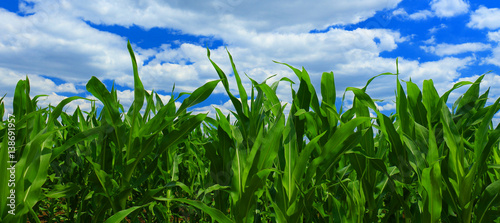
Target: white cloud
[(61, 45), (421, 15), (485, 18), (400, 12), (386, 107), (437, 28), (253, 55), (449, 8), (38, 84), (439, 8), (445, 49), (443, 72), (213, 16), (54, 99), (494, 58), (432, 40), (494, 36)]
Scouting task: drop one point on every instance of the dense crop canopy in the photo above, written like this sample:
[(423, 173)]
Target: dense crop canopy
[(158, 162)]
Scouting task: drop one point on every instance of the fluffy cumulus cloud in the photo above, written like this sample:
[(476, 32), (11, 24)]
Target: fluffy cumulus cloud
[(431, 40), (494, 36), (494, 58), (439, 8), (60, 43), (213, 17), (38, 84), (390, 106), (449, 8), (319, 52), (421, 15), (437, 28), (55, 44), (445, 49), (442, 72), (485, 17)]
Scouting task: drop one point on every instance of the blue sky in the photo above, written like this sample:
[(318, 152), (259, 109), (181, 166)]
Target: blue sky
[(60, 44)]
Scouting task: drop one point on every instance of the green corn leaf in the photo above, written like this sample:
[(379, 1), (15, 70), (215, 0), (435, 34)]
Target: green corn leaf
[(489, 198), (363, 97), (241, 89), (416, 107), (280, 216), (470, 96), (336, 146), (431, 181), (371, 79), (158, 123), (214, 213), (179, 135), (85, 135), (57, 111), (139, 91), (247, 202), (119, 216), (271, 95), (98, 89), (198, 96), (236, 103), (430, 100), (328, 88), (212, 188), (455, 86), (301, 162), (139, 94), (405, 123), (22, 102), (481, 134), (65, 191)]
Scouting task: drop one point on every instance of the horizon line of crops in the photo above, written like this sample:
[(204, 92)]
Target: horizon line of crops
[(425, 163)]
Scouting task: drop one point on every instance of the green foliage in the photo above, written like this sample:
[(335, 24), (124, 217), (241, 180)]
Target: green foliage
[(161, 163)]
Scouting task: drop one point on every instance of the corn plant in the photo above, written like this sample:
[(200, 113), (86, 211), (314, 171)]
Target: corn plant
[(430, 161)]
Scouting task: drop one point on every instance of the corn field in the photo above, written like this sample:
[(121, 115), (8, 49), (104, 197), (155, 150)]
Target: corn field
[(158, 162)]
